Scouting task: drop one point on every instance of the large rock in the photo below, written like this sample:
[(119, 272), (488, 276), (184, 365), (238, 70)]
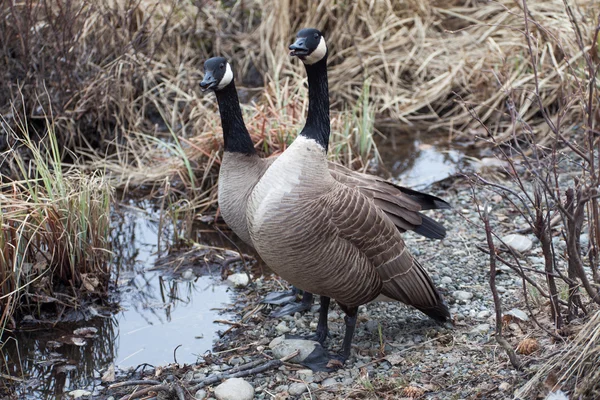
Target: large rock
[(234, 389), (282, 347), (518, 243)]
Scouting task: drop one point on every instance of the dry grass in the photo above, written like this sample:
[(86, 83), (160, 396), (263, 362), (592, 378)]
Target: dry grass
[(54, 237), (576, 366), (115, 69)]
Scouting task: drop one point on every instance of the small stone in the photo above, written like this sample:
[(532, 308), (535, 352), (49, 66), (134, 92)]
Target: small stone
[(518, 314), (481, 328), (483, 314), (188, 275), (462, 295), (79, 393), (200, 394), (536, 260), (239, 280), (518, 243), (504, 386), (304, 373), (282, 347), (372, 326), (446, 280), (282, 328), (282, 388), (297, 388), (329, 382), (234, 389), (501, 289)]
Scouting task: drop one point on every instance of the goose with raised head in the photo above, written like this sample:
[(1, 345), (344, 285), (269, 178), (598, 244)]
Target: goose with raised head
[(241, 168), (327, 237)]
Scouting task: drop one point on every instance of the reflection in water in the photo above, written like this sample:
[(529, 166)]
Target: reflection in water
[(418, 160), (156, 314)]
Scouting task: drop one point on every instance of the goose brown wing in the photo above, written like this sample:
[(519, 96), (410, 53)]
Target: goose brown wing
[(358, 220), (400, 204)]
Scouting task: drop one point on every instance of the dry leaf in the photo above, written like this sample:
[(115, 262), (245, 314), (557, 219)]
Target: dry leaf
[(335, 364), (394, 359), (109, 375), (413, 392), (90, 282), (528, 346)]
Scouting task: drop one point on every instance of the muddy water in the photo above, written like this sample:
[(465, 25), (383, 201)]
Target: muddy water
[(158, 311)]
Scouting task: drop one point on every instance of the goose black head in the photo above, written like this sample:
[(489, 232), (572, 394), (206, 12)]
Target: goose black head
[(217, 74), (309, 46)]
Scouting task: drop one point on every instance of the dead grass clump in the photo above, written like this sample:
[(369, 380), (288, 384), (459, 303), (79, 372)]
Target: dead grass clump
[(576, 366), (424, 56), (55, 234)]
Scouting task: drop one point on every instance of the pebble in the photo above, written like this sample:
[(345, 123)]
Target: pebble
[(518, 242), (329, 382), (79, 393), (188, 274), (282, 328), (282, 347), (372, 326), (200, 394), (518, 314), (481, 328), (446, 280), (239, 280), (504, 386), (483, 314), (462, 295), (297, 388), (234, 389)]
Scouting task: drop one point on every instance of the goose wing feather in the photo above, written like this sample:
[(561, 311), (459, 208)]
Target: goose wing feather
[(401, 205), (358, 220)]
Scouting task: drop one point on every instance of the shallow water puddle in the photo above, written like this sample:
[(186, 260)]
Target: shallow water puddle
[(417, 160), (157, 314)]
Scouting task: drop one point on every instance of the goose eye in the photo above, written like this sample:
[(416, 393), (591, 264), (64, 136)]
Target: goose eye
[(222, 66), (316, 35)]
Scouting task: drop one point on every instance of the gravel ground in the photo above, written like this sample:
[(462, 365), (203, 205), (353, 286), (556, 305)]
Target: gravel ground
[(397, 351)]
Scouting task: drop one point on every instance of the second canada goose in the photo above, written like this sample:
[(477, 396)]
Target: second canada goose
[(241, 168), (326, 237)]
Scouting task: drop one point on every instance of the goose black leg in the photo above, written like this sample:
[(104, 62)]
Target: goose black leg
[(322, 328), (350, 320), (319, 360)]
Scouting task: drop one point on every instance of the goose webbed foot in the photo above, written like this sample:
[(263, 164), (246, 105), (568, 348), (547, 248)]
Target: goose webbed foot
[(293, 308), (321, 360), (278, 298)]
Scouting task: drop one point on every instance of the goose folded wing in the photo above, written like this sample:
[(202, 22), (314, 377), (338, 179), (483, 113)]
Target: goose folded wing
[(400, 204), (358, 220)]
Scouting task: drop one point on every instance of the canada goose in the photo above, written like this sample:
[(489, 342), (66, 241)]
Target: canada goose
[(241, 168), (324, 236)]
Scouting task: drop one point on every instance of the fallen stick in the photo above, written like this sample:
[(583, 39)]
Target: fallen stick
[(244, 370)]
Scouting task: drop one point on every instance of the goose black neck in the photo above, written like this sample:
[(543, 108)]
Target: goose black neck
[(235, 135), (317, 121)]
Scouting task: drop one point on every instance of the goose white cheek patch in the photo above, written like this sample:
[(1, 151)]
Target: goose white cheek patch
[(227, 78), (318, 54)]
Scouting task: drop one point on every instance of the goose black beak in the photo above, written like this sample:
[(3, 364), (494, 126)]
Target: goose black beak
[(299, 48), (209, 82)]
